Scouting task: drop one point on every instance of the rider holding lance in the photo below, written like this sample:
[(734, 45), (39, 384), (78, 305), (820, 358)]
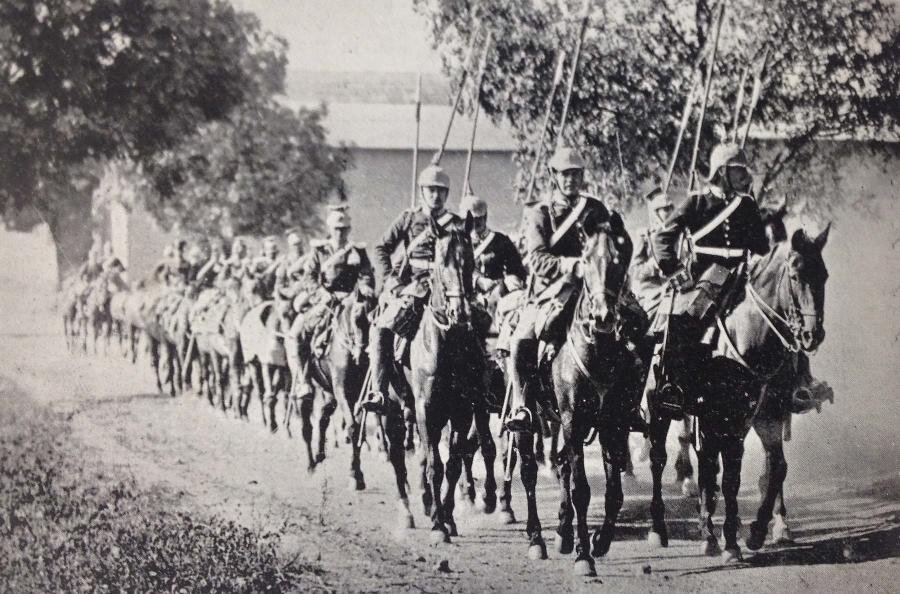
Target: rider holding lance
[(405, 290), (553, 245), (718, 227)]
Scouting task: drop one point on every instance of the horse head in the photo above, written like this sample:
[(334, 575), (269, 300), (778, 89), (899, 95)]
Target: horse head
[(451, 273), (807, 275), (605, 255)]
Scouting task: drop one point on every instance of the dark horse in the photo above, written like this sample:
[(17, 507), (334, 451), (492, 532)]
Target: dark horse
[(781, 312), (446, 355), (594, 381), (340, 372)]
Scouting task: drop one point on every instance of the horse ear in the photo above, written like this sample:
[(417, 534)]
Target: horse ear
[(799, 240), (469, 223), (822, 238)]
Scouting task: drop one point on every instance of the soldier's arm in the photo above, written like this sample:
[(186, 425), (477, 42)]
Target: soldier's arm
[(757, 240), (314, 266), (385, 248), (537, 244), (664, 241)]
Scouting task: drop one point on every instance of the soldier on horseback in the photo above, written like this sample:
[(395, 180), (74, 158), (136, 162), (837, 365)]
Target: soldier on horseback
[(702, 249), (553, 246), (336, 268), (405, 290), (179, 269), (647, 279), (498, 265)]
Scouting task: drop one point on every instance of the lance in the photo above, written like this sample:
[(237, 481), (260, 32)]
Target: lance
[(739, 103), (685, 117), (436, 159), (481, 68), (557, 78), (415, 166), (585, 16), (754, 98), (710, 67)]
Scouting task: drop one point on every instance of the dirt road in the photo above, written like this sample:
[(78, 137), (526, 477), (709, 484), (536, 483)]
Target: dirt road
[(847, 535)]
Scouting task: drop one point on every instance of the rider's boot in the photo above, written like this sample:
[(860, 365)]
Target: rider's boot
[(523, 368), (382, 345)]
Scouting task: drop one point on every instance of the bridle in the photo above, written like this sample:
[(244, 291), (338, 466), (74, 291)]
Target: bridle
[(438, 290)]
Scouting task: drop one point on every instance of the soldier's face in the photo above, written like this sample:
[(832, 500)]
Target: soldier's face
[(340, 233), (434, 197), (479, 224), (739, 178), (570, 181)]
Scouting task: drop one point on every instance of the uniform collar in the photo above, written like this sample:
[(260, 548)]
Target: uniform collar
[(427, 212)]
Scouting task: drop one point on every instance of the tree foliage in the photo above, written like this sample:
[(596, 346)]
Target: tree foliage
[(263, 170), (832, 73)]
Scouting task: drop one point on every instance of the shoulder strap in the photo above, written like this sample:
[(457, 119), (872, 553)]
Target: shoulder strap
[(718, 220), (570, 220), (484, 244), (423, 235)]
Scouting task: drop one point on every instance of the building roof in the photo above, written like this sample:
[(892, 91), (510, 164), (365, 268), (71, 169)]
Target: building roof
[(393, 126)]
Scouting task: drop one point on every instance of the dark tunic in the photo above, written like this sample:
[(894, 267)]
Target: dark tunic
[(341, 273), (404, 230), (500, 258)]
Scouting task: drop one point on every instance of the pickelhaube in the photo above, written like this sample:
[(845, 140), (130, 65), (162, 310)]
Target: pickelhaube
[(472, 204), (434, 175), (726, 154), (565, 158)]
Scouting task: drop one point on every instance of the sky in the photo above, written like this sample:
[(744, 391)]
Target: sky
[(349, 35)]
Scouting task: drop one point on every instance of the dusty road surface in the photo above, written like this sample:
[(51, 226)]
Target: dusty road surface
[(846, 532)]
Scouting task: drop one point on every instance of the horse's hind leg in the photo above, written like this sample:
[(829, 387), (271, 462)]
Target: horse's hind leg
[(565, 532), (306, 411), (509, 461), (154, 362), (770, 482)]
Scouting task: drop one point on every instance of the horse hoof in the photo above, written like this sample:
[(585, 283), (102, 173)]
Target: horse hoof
[(757, 537), (565, 543), (601, 540), (507, 517), (732, 555), (537, 552), (438, 536), (689, 487), (781, 532), (450, 525), (656, 541), (320, 457), (710, 547), (585, 568), (487, 505), (405, 521)]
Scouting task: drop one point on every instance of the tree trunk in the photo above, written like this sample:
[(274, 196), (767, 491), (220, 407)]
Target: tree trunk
[(71, 232)]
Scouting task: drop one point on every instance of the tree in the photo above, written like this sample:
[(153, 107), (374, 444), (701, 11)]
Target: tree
[(82, 81), (822, 81), (262, 171)]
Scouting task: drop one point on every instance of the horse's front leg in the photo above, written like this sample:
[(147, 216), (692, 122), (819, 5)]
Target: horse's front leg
[(659, 429), (459, 432), (565, 532), (684, 470), (708, 463), (524, 441), (509, 462), (732, 458), (573, 436), (615, 455), (325, 414), (482, 421), (771, 481), (396, 430)]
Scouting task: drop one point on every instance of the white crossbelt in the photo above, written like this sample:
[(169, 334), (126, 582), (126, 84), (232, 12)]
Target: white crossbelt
[(569, 221), (719, 252)]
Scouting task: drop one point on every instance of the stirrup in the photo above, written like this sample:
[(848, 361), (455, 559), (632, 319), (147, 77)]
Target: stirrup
[(670, 400), (520, 420), (637, 423), (374, 402)]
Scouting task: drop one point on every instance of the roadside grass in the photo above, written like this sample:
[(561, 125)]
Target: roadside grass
[(69, 525)]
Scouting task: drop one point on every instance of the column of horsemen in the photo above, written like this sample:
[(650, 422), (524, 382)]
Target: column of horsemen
[(265, 323)]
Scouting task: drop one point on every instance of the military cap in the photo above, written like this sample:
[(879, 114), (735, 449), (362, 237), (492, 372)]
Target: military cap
[(434, 175), (566, 158), (472, 204), (726, 154)]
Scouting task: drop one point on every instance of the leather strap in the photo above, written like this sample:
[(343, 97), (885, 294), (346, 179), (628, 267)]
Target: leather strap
[(720, 252), (570, 220), (718, 220), (484, 244)]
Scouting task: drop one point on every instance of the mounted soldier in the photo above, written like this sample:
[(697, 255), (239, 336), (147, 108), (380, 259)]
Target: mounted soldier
[(498, 265), (405, 287), (210, 269), (702, 249), (262, 269), (179, 269), (337, 269), (647, 279), (553, 245)]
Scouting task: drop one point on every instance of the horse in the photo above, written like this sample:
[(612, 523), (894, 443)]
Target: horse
[(99, 320), (779, 313), (340, 371), (445, 354), (73, 305), (594, 381)]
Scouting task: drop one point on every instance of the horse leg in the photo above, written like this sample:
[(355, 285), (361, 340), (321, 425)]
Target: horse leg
[(306, 411), (509, 461), (174, 371), (612, 466), (269, 398), (708, 463), (396, 431), (154, 362), (684, 470), (770, 482), (459, 434), (524, 441), (732, 457), (482, 421), (431, 423), (328, 409), (659, 429), (581, 498), (565, 532)]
